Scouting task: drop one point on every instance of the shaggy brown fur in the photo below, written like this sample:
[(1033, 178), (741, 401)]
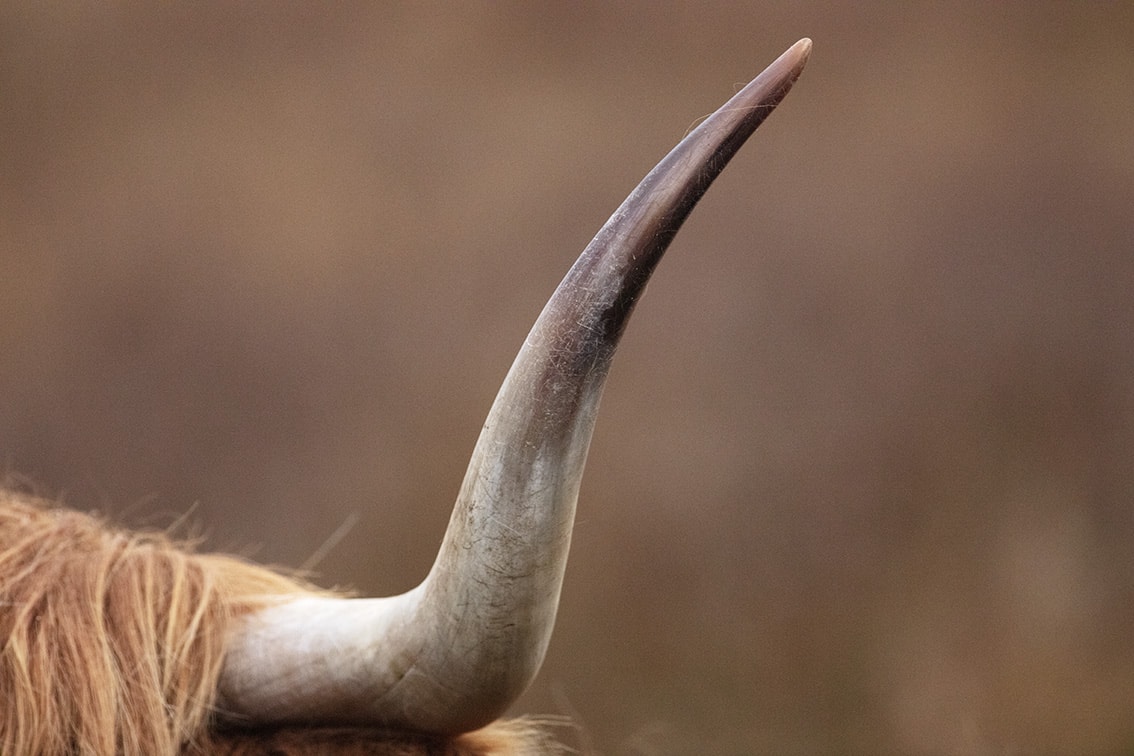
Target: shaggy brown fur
[(112, 642)]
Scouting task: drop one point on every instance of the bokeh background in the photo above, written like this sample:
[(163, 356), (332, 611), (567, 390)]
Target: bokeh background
[(864, 475)]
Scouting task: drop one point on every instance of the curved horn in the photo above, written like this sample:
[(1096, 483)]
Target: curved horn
[(452, 654)]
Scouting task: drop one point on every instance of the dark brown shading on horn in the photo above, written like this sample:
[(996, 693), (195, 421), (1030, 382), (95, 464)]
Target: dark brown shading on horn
[(454, 653)]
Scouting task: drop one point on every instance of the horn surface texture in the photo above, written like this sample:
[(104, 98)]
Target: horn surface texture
[(452, 654)]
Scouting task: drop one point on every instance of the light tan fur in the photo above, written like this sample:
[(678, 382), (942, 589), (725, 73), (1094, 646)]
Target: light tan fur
[(510, 737), (112, 642)]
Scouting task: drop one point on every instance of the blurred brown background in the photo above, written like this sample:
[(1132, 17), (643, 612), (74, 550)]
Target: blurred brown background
[(864, 476)]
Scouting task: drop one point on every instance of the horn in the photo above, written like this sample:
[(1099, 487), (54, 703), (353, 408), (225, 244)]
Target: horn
[(452, 654)]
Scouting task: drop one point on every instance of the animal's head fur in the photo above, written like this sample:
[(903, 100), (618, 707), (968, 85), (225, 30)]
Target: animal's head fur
[(113, 642)]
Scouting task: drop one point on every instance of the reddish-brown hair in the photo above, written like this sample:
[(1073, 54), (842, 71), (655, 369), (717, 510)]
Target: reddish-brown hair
[(112, 642)]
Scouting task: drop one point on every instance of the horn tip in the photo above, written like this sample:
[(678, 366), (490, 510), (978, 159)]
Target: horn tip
[(799, 53)]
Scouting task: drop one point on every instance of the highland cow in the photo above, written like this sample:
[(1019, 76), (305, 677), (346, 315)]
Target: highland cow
[(121, 642)]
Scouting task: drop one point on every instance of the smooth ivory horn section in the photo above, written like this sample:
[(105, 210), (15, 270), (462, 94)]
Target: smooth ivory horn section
[(452, 654)]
